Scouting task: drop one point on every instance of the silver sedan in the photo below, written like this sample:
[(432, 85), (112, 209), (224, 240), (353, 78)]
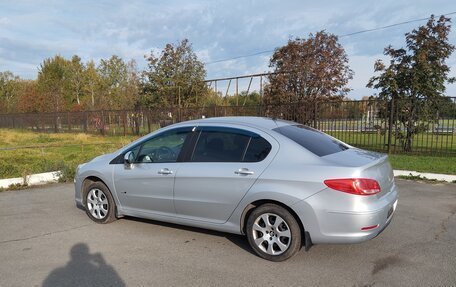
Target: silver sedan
[(282, 184)]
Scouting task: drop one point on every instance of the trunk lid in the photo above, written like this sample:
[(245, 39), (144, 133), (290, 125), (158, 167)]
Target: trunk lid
[(366, 164)]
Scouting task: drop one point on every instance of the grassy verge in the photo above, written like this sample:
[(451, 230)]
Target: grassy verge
[(432, 164), (65, 151), (51, 152)]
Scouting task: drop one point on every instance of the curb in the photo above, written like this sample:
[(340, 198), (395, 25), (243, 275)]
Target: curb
[(433, 176), (33, 179)]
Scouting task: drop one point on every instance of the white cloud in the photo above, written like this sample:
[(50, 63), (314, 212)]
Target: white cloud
[(363, 66), (203, 55), (4, 21)]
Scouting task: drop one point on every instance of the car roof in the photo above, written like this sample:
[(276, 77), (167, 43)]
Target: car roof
[(258, 122)]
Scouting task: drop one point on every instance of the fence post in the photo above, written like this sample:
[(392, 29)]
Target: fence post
[(68, 121), (102, 127), (56, 124), (390, 124), (124, 122), (148, 120), (315, 115)]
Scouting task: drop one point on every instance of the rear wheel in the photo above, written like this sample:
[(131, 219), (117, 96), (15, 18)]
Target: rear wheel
[(99, 204), (273, 232)]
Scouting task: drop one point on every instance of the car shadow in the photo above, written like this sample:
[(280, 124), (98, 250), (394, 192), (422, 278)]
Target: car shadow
[(84, 269), (238, 240)]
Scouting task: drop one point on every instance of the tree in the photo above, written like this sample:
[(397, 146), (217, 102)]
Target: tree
[(415, 78), (119, 82), (133, 85), (76, 79), (52, 81), (244, 99), (92, 85), (174, 78), (30, 101), (9, 91), (307, 71)]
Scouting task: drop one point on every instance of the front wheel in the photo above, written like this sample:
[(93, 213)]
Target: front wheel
[(273, 232), (99, 204)]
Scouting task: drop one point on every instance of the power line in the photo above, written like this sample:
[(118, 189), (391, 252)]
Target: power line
[(340, 36), (389, 26)]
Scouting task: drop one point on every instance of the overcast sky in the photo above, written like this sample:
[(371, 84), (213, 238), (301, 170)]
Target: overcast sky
[(31, 31)]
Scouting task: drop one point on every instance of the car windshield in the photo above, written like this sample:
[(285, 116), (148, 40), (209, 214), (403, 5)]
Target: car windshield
[(313, 140)]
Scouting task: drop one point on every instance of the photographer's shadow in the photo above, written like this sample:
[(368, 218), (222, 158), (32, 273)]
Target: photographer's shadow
[(84, 269)]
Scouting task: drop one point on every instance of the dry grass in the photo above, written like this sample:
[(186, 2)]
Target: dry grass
[(51, 152)]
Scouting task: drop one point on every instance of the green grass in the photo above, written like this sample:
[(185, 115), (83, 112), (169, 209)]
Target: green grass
[(69, 150), (422, 143), (432, 164)]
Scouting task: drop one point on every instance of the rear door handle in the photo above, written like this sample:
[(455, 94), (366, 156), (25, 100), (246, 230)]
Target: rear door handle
[(244, 171), (165, 171)]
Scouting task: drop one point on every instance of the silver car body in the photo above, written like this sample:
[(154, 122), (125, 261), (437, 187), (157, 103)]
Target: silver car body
[(214, 196)]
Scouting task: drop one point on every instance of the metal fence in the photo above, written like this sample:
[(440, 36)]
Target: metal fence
[(373, 124)]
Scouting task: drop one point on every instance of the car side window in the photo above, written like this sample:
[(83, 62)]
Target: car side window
[(220, 146), (257, 150), (162, 148)]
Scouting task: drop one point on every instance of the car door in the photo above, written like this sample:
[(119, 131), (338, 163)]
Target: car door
[(224, 165), (146, 185)]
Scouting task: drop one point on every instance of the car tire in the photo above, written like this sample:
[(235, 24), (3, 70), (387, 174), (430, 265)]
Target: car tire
[(273, 232), (99, 204)]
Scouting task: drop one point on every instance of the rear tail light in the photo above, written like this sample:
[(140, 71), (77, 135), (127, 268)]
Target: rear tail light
[(359, 186)]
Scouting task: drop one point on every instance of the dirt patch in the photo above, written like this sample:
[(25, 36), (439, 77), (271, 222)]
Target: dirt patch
[(443, 225), (383, 263)]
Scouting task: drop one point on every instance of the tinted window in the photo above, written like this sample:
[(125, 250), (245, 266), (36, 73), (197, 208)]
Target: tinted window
[(258, 149), (162, 148), (311, 139), (220, 146)]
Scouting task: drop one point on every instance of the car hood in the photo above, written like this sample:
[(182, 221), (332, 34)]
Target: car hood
[(104, 157)]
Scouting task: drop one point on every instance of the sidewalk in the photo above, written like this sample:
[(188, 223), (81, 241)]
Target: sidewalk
[(34, 179), (432, 176)]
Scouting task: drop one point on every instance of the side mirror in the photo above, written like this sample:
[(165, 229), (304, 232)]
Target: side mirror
[(129, 159)]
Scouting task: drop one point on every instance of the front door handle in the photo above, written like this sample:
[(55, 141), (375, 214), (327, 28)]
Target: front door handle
[(244, 171), (165, 171)]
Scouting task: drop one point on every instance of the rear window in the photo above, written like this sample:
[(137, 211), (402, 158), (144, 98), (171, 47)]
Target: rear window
[(214, 146), (221, 144), (313, 140), (258, 149)]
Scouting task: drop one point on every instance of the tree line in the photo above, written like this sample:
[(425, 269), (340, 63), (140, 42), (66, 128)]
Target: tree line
[(305, 71)]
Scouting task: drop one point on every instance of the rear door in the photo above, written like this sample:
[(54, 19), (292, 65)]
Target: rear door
[(224, 164)]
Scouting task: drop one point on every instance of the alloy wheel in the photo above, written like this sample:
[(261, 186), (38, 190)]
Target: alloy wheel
[(97, 203), (271, 234)]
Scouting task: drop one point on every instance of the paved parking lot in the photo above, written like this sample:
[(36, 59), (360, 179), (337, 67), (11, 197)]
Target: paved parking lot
[(46, 241)]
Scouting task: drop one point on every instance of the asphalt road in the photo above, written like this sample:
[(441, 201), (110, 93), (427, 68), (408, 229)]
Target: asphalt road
[(46, 241)]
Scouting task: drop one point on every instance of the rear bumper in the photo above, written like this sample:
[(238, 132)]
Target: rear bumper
[(364, 218)]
